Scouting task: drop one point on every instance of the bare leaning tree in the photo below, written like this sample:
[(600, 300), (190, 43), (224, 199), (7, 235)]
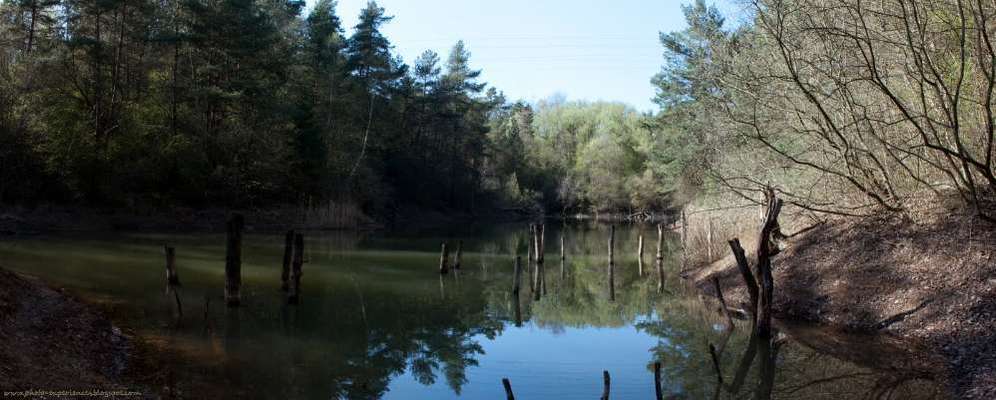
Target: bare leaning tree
[(884, 98)]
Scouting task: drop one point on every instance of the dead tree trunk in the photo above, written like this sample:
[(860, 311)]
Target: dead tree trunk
[(444, 261), (288, 254), (295, 290), (233, 261), (764, 253), (639, 257), (748, 276), (459, 255)]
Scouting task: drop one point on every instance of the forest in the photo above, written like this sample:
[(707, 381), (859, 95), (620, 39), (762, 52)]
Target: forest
[(245, 103), (847, 107)]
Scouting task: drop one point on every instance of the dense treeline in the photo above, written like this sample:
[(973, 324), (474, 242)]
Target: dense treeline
[(847, 107), (230, 102)]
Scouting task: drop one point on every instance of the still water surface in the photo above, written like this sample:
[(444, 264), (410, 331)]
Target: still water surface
[(378, 321)]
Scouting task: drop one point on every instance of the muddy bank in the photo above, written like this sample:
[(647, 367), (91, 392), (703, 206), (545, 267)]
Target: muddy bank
[(52, 342), (929, 279)]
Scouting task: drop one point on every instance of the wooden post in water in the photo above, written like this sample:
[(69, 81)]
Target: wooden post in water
[(233, 260), (459, 255), (639, 256), (660, 259), (295, 290), (288, 254), (563, 258), (508, 389), (657, 381), (722, 302), (172, 279), (612, 263), (516, 277), (538, 281), (606, 382), (444, 261)]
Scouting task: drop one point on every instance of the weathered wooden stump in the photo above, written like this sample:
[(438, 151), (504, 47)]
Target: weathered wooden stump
[(764, 253), (233, 260), (444, 261), (517, 276), (172, 279), (288, 254), (639, 256), (294, 295), (459, 255)]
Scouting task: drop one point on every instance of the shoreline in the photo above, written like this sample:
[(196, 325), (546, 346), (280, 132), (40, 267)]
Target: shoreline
[(931, 282)]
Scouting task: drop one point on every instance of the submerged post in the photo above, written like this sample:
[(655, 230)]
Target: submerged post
[(639, 256), (722, 302), (172, 279), (538, 282), (612, 263), (657, 381), (233, 260), (459, 255), (295, 291), (288, 253), (606, 381), (563, 258), (516, 277), (444, 260), (660, 258), (508, 389)]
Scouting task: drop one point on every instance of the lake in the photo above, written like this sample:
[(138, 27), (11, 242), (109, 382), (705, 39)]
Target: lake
[(377, 320)]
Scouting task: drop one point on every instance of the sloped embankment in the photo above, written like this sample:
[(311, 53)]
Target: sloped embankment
[(931, 278), (52, 342)]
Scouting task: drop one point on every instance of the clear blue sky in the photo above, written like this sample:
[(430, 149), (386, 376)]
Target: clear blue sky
[(532, 49)]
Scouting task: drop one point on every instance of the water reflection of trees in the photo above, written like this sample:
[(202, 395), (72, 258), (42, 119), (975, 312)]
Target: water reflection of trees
[(359, 338)]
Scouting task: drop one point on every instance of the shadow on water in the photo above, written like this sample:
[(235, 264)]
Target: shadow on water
[(376, 320)]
